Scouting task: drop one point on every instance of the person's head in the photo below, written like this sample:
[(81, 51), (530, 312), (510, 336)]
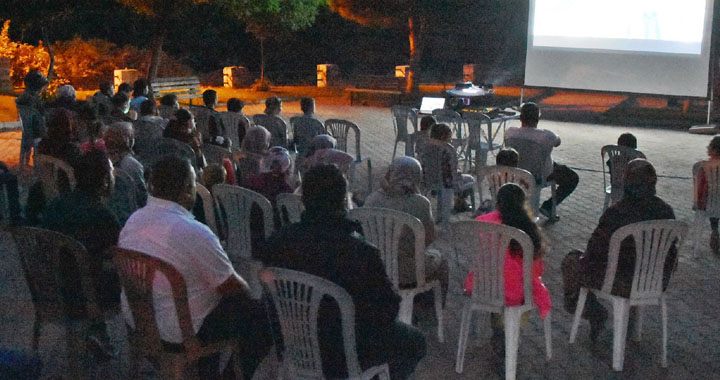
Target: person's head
[(307, 106), (529, 115), (273, 105), (278, 162), (173, 179), (713, 149), (324, 190), (95, 130), (441, 132), (235, 105), (140, 88), (320, 142), (59, 126), (66, 93), (125, 88), (640, 179), (148, 108), (170, 100), (185, 118), (107, 87), (427, 122), (257, 140), (213, 174), (119, 138), (403, 177), (35, 81), (628, 140), (121, 101), (514, 212), (507, 157), (94, 173), (210, 98)]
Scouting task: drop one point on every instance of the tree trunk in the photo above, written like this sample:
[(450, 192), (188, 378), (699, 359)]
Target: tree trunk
[(410, 75), (51, 67), (262, 59), (156, 49)]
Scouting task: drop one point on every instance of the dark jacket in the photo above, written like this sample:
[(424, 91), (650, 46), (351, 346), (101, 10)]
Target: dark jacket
[(332, 248), (627, 211)]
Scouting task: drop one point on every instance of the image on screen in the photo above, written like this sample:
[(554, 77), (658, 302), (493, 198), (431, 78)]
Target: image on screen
[(659, 26)]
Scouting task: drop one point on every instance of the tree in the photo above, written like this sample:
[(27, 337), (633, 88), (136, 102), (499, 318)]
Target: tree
[(163, 14), (414, 14)]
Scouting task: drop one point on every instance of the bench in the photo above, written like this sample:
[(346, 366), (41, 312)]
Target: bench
[(183, 87), (376, 86)]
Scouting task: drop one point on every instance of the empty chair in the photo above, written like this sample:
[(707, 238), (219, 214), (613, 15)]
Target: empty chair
[(653, 241), (614, 161), (304, 128), (711, 199), (296, 296), (532, 158), (290, 207), (496, 176), (215, 154), (340, 129), (43, 255), (384, 228), (137, 273), (122, 199), (402, 115), (235, 204), (55, 175), (276, 126), (487, 244)]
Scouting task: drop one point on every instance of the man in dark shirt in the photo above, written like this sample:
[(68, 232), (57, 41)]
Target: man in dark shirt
[(326, 244), (639, 203)]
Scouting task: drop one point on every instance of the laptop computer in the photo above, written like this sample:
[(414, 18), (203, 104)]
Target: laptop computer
[(430, 103)]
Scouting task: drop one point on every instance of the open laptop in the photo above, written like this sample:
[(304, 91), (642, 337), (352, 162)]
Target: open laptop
[(429, 103)]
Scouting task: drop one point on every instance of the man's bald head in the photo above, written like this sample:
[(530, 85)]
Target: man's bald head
[(640, 178)]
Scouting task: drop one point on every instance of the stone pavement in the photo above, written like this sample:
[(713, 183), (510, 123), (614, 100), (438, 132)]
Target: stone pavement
[(693, 295)]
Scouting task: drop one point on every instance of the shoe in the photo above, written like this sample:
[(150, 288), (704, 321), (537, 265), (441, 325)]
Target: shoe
[(101, 348), (715, 242), (596, 325)]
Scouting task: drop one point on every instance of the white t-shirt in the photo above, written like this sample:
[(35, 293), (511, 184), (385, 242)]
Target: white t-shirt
[(544, 137), (166, 230)]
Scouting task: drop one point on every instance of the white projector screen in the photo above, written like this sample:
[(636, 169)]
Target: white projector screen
[(640, 46)]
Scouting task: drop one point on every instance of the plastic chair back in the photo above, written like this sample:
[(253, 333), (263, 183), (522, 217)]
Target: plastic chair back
[(304, 129), (487, 244), (236, 203), (431, 159), (452, 119), (208, 207), (617, 158), (123, 201), (533, 158), (497, 176), (232, 122), (56, 175), (383, 228), (290, 207), (167, 146), (276, 126), (653, 240), (215, 154), (297, 297), (401, 116), (475, 121)]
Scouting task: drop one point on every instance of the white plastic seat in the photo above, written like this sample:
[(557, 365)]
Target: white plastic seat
[(215, 154), (617, 157), (55, 174), (496, 176), (296, 296), (653, 240), (383, 228), (712, 204), (232, 122), (304, 128), (478, 140), (340, 129), (455, 121), (401, 116), (487, 244), (208, 207), (290, 205), (235, 204), (532, 157), (277, 127)]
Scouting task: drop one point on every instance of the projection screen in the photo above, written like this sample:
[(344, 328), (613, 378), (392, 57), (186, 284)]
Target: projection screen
[(639, 46)]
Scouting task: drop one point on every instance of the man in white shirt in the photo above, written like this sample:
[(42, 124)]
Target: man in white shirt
[(220, 307), (565, 178)]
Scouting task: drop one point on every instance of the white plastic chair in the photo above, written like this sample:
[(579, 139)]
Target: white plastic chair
[(383, 228), (487, 244), (496, 176), (304, 128), (401, 116), (617, 157), (455, 121), (340, 129), (297, 297), (53, 172), (237, 202), (208, 207), (712, 204), (532, 158), (653, 240), (277, 127), (290, 205), (215, 154)]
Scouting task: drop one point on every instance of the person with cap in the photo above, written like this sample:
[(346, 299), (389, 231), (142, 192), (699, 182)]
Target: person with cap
[(587, 269), (32, 115)]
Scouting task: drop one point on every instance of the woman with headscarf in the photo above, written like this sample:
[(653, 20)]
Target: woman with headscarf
[(323, 152), (253, 150), (400, 190), (275, 178)]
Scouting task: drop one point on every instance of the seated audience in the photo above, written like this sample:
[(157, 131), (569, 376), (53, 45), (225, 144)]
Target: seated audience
[(220, 306), (95, 130), (254, 149), (235, 122), (324, 153), (507, 157), (168, 106), (103, 98), (31, 110), (272, 121), (148, 130), (587, 269), (713, 151), (275, 178), (83, 215), (512, 210), (400, 190), (208, 120), (421, 137), (304, 131), (125, 88), (121, 107), (140, 94), (65, 97), (627, 139), (327, 244), (182, 128), (565, 178), (119, 142)]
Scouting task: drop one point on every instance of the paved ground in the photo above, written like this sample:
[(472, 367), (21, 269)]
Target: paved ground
[(693, 296)]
